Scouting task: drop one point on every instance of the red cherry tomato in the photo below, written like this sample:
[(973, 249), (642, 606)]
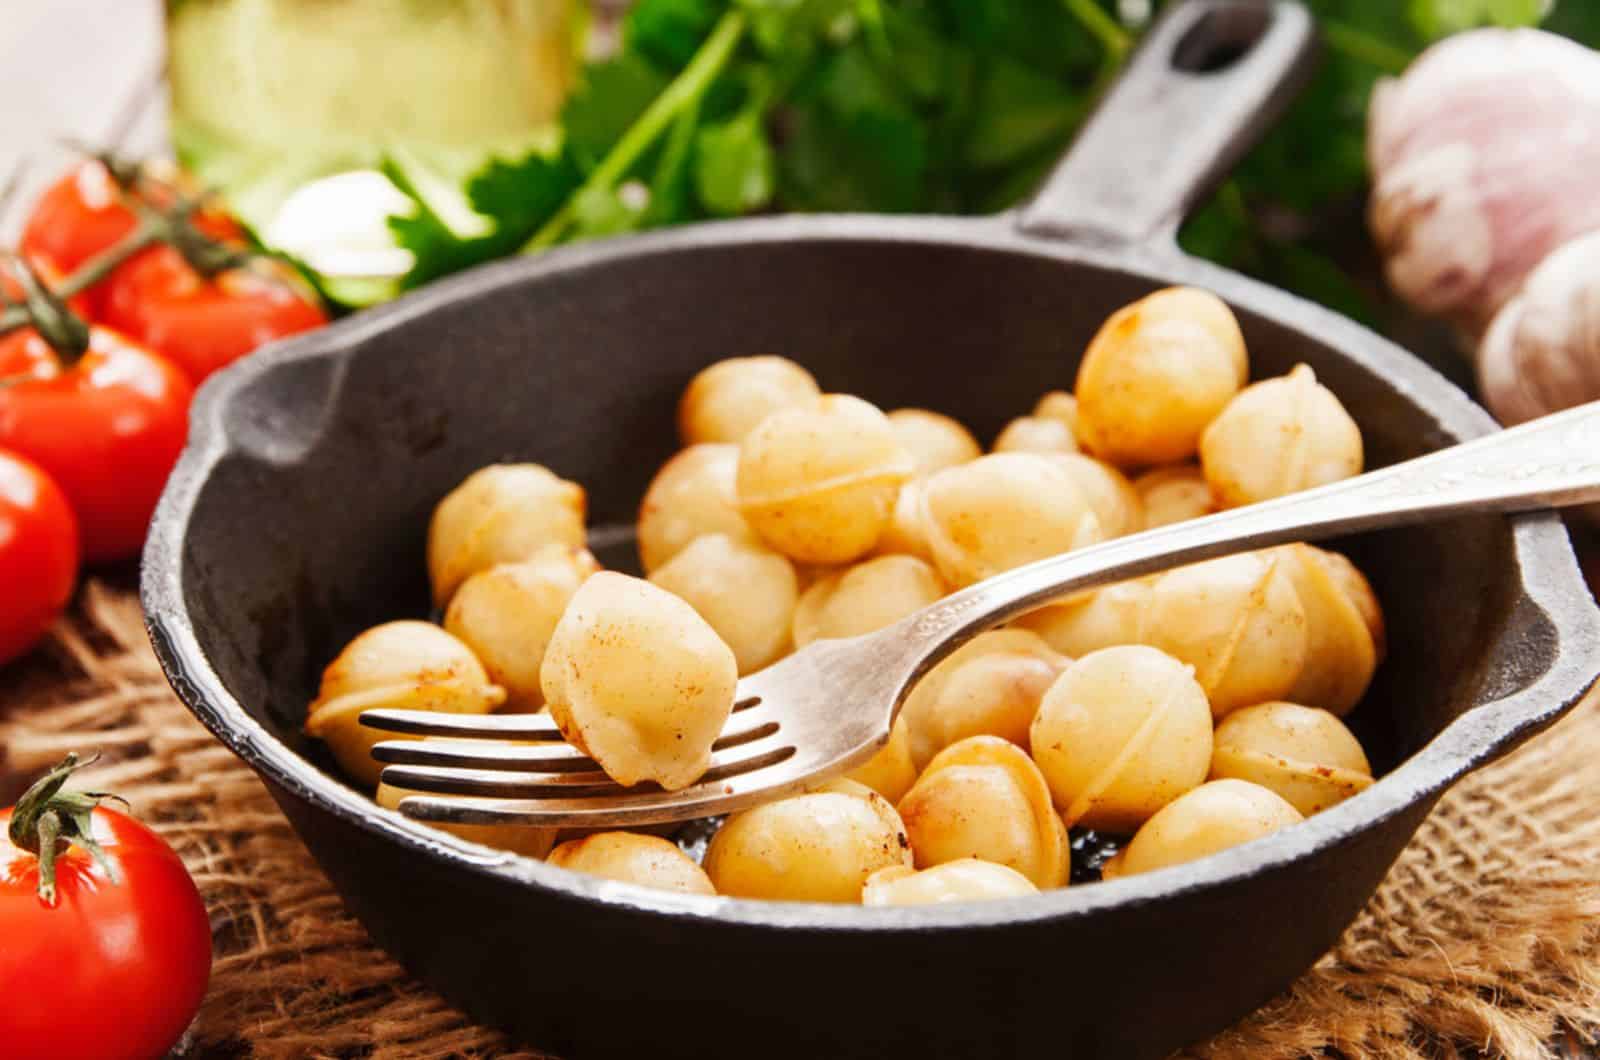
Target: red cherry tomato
[(203, 325), (116, 966), (38, 554), (107, 429), (77, 217), (86, 212)]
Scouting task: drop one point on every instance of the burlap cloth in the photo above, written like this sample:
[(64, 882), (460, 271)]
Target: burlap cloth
[(1484, 940)]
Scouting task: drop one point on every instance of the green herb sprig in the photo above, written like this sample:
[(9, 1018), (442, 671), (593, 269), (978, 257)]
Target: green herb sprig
[(720, 108)]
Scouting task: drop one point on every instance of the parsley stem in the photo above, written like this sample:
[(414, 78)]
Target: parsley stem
[(686, 90), (1112, 37), (1364, 47)]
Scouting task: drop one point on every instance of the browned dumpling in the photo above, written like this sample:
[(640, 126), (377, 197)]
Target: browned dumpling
[(1238, 621), (1093, 619), (1304, 754), (1344, 629), (500, 514), (890, 772), (1174, 494), (1212, 817), (1036, 434), (817, 847), (507, 613), (398, 666), (636, 679), (1059, 405), (692, 495), (1002, 511), (746, 591), (962, 880), (1277, 437), (1120, 734), (727, 400), (865, 597), (933, 440), (991, 686), (818, 480), (646, 860), (984, 798), (1156, 374), (1115, 502), (906, 535)]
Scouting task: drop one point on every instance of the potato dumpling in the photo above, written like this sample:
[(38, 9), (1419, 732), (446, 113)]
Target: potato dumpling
[(1359, 591), (500, 514), (692, 495), (1002, 511), (817, 847), (744, 589), (1059, 405), (984, 798), (400, 666), (1304, 754), (1036, 434), (1238, 621), (933, 440), (906, 535), (1174, 494), (1120, 734), (1277, 437), (890, 772), (1342, 650), (506, 614), (962, 880), (1212, 817), (529, 842), (646, 860), (1093, 619), (866, 597), (818, 481), (991, 685), (1156, 374), (725, 401), (1115, 502), (638, 680)]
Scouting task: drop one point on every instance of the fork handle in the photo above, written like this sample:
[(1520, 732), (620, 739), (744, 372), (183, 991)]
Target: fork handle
[(1550, 462)]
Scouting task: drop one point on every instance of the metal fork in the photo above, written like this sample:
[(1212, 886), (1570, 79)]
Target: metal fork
[(829, 706)]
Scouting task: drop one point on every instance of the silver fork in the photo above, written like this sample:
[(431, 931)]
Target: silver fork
[(829, 706)]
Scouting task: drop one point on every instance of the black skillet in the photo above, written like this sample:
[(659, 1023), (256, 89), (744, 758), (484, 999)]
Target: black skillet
[(297, 517)]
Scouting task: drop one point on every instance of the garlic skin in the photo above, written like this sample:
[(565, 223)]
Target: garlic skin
[(1483, 156), (1542, 353)]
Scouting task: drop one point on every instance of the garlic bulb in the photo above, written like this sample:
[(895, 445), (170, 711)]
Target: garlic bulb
[(1483, 155), (1542, 353)]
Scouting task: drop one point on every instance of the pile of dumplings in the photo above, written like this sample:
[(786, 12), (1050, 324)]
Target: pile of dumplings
[(1184, 712)]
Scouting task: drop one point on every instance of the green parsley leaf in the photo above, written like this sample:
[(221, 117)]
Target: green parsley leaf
[(734, 170), (610, 99), (668, 32), (1440, 18)]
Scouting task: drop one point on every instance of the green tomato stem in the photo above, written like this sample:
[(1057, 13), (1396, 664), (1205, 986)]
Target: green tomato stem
[(91, 272), (1114, 40), (48, 821), (686, 90), (1365, 48)]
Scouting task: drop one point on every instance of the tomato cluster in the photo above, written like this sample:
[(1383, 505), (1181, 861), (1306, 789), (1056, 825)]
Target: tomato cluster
[(99, 415)]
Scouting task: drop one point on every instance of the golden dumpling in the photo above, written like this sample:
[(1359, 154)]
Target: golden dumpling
[(638, 680)]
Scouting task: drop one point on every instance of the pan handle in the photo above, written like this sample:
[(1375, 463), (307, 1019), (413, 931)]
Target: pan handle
[(1205, 83)]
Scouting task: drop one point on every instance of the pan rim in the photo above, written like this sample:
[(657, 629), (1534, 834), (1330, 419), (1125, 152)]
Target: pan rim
[(1550, 582)]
